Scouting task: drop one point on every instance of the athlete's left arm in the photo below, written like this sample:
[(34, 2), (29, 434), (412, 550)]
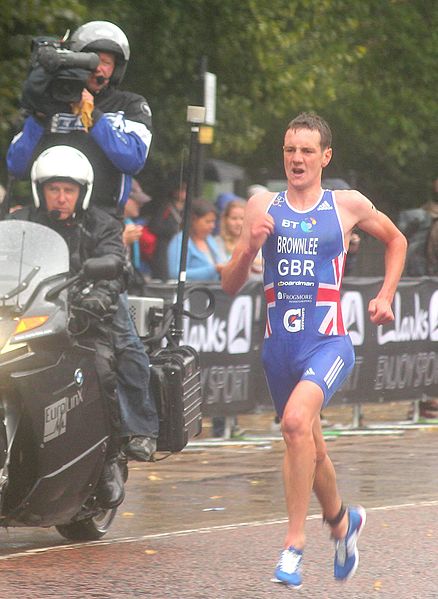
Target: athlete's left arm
[(126, 137), (362, 213)]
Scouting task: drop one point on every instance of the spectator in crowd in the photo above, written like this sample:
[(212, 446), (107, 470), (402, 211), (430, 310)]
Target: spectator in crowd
[(113, 129), (204, 260), (231, 221), (420, 226), (429, 407), (432, 243), (133, 232), (230, 227), (353, 249), (221, 202), (255, 188), (165, 224)]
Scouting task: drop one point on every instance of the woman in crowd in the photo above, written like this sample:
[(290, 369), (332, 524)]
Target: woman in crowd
[(166, 223), (204, 259), (230, 228)]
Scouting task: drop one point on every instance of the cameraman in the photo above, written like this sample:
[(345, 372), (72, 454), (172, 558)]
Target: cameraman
[(110, 126), (113, 129)]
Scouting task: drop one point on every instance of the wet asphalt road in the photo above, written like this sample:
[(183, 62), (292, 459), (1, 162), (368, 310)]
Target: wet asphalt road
[(209, 523)]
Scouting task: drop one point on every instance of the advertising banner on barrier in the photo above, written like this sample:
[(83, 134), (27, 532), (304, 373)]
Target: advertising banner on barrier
[(393, 362), (229, 345), (398, 360)]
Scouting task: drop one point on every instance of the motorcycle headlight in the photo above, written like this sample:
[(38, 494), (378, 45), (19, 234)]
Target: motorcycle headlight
[(28, 323), (11, 329), (7, 327)]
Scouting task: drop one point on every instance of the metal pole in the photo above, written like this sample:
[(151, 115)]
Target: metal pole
[(195, 116), (200, 151)]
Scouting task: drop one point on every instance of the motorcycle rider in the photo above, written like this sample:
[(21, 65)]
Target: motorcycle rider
[(113, 129), (62, 184)]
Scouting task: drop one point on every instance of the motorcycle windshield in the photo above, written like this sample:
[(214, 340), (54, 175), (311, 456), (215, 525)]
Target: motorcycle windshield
[(29, 253)]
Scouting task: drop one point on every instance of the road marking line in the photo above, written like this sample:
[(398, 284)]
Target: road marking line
[(202, 530)]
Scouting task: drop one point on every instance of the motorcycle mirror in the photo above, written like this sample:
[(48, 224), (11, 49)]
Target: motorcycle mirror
[(105, 267)]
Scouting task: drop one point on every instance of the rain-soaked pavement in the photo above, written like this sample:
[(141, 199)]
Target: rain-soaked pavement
[(209, 523)]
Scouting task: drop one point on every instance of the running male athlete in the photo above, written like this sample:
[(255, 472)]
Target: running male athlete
[(304, 233)]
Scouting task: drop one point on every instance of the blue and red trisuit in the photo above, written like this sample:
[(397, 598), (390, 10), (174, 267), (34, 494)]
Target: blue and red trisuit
[(304, 261)]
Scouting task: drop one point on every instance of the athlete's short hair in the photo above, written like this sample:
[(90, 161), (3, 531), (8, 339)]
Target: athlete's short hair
[(314, 122)]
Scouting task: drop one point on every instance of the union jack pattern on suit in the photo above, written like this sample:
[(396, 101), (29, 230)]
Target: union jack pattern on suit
[(305, 337), (330, 295), (270, 303)]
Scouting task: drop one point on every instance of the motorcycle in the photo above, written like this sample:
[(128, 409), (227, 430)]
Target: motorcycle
[(54, 428)]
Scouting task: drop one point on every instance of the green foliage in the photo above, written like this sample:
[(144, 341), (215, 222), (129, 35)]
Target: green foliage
[(368, 66), (20, 21), (389, 106)]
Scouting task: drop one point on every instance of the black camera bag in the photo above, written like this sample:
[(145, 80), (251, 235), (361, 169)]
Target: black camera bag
[(176, 387)]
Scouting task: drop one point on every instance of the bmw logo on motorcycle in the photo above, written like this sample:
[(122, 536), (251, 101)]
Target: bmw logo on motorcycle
[(78, 377)]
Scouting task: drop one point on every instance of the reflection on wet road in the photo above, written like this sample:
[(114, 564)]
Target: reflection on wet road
[(204, 487)]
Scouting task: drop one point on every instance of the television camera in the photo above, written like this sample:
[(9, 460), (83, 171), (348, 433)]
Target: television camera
[(57, 76)]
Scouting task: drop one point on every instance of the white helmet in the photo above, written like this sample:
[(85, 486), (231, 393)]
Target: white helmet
[(103, 36), (65, 163)]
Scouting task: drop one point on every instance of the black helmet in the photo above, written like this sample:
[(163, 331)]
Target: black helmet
[(103, 36), (66, 163)]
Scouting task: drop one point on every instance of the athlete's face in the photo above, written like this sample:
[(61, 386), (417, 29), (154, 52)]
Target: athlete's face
[(304, 158)]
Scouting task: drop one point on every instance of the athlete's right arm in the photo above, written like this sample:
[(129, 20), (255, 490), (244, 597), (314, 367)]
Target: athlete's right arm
[(22, 148), (257, 225)]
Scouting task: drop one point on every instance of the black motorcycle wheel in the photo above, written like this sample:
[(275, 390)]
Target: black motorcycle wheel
[(89, 529)]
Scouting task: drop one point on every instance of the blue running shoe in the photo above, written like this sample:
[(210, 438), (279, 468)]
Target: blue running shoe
[(288, 569), (346, 553)]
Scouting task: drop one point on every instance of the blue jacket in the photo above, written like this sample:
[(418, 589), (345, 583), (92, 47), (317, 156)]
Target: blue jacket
[(199, 267), (117, 144)]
